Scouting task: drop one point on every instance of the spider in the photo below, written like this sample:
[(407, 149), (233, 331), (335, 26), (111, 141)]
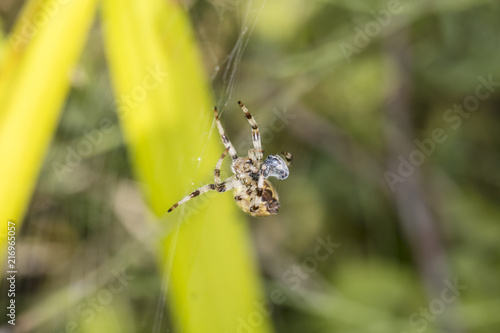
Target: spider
[(252, 191)]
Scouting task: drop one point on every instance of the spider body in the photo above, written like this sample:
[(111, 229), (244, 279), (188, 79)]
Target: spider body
[(244, 195), (244, 169), (253, 192)]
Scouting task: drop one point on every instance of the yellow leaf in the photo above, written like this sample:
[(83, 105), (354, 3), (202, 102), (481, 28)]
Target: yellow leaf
[(34, 80)]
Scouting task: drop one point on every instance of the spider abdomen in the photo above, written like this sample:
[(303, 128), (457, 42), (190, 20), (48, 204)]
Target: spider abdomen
[(245, 198)]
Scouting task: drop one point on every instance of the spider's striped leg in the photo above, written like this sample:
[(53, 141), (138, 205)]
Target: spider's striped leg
[(194, 194), (224, 186), (259, 153), (288, 158), (225, 139), (227, 184), (217, 168)]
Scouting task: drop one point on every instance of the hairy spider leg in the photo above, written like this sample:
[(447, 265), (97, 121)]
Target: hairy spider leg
[(224, 186), (223, 136), (259, 153), (288, 157), (217, 180), (260, 185)]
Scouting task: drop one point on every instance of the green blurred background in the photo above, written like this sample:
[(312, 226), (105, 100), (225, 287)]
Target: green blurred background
[(387, 109)]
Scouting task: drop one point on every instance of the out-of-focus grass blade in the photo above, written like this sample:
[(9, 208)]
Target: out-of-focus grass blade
[(34, 78), (114, 318), (166, 111)]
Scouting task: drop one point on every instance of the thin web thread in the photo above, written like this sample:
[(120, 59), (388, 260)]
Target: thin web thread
[(234, 58), (167, 273), (229, 83)]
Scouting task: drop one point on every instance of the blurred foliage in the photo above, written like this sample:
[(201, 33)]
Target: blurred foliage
[(26, 68), (155, 69), (157, 73), (347, 120)]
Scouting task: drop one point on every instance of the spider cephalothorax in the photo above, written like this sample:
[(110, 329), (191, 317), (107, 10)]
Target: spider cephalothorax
[(253, 192)]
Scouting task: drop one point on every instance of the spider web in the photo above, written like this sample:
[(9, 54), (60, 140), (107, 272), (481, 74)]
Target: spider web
[(233, 60), (224, 71)]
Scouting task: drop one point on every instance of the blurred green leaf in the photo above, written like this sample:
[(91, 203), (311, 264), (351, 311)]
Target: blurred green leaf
[(34, 81)]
